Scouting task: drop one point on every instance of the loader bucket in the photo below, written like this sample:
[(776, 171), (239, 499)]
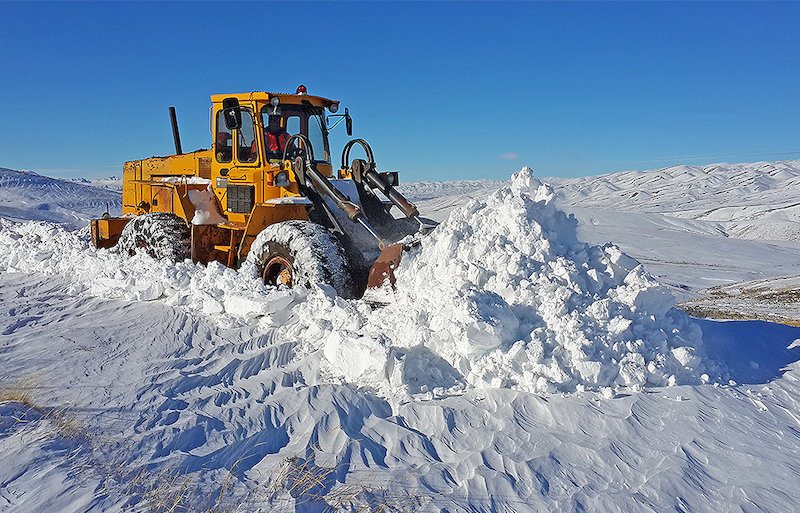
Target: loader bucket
[(382, 271)]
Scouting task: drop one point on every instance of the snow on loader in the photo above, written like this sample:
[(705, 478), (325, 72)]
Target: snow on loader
[(267, 191)]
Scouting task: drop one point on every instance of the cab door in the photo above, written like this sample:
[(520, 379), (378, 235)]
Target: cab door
[(237, 159)]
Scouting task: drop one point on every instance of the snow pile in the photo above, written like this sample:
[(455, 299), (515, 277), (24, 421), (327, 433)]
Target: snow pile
[(506, 294), (501, 295), (226, 295)]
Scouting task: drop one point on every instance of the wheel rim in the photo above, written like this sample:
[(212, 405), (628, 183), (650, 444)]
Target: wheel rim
[(278, 271)]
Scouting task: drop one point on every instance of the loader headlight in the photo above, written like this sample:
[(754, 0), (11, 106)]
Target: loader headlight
[(282, 179), (333, 107), (274, 101)]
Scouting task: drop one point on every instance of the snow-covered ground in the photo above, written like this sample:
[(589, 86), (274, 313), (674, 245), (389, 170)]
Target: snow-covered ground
[(518, 369)]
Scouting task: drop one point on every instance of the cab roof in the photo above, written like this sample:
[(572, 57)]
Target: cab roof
[(287, 98)]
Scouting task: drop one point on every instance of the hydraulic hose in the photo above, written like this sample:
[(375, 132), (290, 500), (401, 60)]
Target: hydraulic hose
[(324, 186), (365, 172)]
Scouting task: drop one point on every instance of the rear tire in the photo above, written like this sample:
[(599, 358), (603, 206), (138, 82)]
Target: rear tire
[(301, 253), (162, 235)]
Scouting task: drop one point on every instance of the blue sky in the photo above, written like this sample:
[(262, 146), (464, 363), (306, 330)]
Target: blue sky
[(441, 90)]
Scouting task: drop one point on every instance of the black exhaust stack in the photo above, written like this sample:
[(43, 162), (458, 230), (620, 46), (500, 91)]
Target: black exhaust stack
[(175, 134)]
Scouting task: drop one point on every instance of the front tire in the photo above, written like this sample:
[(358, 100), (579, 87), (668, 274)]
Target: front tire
[(303, 253), (162, 235)]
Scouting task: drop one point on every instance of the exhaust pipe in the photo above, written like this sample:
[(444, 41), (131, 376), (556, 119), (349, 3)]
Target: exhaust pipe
[(173, 118)]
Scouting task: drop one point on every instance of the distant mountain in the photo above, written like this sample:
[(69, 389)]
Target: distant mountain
[(25, 195), (759, 200)]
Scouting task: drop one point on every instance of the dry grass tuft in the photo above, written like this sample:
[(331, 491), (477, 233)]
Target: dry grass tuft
[(308, 484), (21, 392)]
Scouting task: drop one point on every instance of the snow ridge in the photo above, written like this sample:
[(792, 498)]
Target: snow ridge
[(27, 195)]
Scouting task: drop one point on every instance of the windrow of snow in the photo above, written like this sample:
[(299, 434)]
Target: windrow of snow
[(224, 294), (502, 294)]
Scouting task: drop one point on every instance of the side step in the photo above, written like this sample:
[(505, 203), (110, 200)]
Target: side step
[(216, 243)]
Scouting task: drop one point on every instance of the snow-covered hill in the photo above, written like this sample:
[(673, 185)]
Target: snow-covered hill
[(25, 195), (694, 227), (758, 200), (113, 183), (752, 201), (518, 369)]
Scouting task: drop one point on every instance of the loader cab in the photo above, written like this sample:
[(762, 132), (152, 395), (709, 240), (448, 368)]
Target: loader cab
[(243, 173), (302, 119)]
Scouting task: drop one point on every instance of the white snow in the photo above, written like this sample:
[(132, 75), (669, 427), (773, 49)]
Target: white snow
[(671, 219), (503, 293), (25, 195), (423, 405), (289, 200), (507, 295), (205, 207), (186, 179)]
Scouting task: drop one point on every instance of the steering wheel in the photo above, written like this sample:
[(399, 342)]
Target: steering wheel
[(303, 156), (293, 151)]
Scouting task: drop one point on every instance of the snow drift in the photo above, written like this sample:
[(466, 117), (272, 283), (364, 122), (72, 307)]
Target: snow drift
[(502, 295), (203, 370)]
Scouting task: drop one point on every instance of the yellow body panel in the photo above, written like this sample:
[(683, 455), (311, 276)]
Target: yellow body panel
[(161, 184), (105, 231), (264, 97), (264, 215)]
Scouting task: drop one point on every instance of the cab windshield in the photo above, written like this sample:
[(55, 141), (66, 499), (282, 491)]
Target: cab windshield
[(306, 120)]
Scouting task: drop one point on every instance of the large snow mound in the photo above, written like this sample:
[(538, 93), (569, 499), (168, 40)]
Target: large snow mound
[(501, 295)]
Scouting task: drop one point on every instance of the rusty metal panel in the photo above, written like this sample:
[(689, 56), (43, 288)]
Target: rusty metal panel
[(131, 193), (383, 268), (204, 167), (162, 199), (204, 238)]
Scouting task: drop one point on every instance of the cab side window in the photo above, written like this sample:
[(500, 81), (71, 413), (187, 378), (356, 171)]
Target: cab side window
[(293, 125), (246, 148), (223, 140)]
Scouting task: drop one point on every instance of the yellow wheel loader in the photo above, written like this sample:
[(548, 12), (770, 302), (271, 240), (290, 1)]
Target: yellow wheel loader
[(267, 191)]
